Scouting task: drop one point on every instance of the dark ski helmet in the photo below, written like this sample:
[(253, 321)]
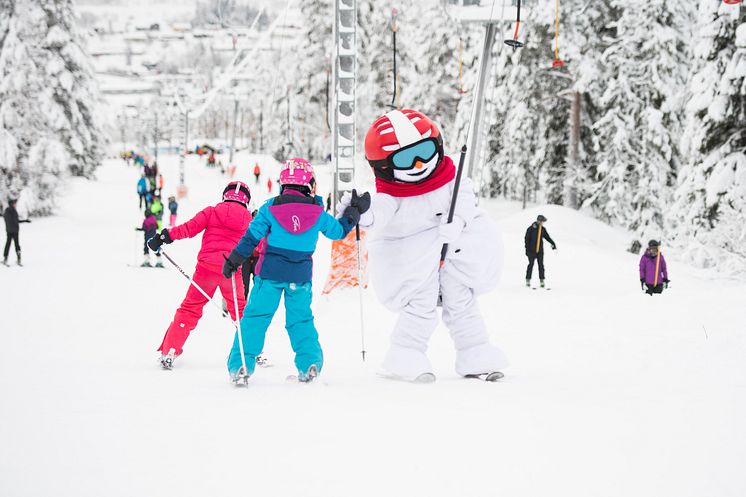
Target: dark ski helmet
[(654, 244), (541, 218)]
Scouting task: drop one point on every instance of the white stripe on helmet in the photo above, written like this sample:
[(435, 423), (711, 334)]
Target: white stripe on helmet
[(406, 132)]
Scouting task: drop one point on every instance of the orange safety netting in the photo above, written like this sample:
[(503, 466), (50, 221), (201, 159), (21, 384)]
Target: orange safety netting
[(344, 271)]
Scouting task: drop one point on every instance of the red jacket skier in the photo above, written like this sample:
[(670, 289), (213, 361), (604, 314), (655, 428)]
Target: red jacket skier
[(223, 226)]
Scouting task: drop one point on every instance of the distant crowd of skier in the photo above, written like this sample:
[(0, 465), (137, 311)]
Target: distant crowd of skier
[(429, 247)]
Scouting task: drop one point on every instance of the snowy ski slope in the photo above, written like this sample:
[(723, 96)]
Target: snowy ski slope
[(611, 392)]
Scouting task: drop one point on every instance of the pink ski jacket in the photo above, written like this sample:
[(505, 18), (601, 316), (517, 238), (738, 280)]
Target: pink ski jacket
[(223, 224)]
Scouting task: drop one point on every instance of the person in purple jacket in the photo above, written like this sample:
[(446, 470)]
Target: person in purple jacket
[(653, 270)]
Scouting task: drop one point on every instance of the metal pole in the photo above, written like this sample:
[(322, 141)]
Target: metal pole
[(345, 79), (185, 149), (238, 324), (393, 35), (261, 130), (360, 284), (475, 137), (233, 134), (570, 193)]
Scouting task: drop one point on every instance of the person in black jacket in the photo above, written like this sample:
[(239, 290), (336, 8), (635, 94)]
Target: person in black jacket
[(11, 229), (535, 248)]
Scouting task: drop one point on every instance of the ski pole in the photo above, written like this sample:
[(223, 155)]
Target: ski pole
[(238, 324), (452, 210), (360, 284), (199, 288)]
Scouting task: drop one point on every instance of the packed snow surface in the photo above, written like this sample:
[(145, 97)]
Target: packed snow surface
[(610, 392)]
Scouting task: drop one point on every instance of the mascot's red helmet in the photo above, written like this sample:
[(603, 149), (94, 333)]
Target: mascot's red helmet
[(400, 138)]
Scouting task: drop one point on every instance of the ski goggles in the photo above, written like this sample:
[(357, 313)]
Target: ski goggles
[(406, 158)]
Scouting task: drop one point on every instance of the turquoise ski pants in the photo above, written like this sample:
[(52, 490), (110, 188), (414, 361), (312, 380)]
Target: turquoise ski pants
[(260, 309)]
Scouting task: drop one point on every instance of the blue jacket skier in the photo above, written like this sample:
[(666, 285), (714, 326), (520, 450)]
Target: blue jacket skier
[(292, 223)]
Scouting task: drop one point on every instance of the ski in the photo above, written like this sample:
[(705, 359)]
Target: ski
[(493, 376), (421, 378), (311, 375)]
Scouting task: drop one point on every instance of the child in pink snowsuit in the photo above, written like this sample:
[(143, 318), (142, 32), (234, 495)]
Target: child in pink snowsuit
[(223, 226)]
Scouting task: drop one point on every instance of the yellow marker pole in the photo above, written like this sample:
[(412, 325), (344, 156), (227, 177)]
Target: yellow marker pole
[(657, 267), (538, 240), (556, 32)]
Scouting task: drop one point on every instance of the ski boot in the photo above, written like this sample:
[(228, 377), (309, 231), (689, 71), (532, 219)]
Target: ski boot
[(528, 283), (146, 264), (5, 262), (18, 254), (167, 361), (541, 283), (159, 264), (240, 378), (309, 376)]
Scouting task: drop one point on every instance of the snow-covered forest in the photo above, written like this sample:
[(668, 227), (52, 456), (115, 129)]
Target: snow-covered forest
[(659, 88)]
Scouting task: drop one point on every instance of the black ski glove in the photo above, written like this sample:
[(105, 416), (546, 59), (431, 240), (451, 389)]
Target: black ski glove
[(554, 247), (666, 282), (155, 243), (360, 202), (232, 263), (642, 284), (352, 214)]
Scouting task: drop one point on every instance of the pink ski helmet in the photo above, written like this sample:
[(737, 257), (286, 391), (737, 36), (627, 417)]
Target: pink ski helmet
[(297, 172), (237, 191)]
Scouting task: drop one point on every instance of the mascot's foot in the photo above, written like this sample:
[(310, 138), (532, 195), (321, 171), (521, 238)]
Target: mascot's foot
[(408, 364), (480, 359)]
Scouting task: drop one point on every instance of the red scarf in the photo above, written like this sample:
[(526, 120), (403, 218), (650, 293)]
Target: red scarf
[(442, 175)]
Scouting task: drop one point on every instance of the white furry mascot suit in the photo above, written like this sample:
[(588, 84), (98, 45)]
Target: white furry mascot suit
[(407, 225)]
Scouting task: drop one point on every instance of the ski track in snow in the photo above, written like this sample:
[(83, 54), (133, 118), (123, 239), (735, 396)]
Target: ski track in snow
[(610, 393)]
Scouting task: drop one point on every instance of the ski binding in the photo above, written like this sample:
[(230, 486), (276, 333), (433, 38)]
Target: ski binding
[(421, 378)]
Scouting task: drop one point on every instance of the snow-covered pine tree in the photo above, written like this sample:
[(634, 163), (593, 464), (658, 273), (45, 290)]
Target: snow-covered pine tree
[(636, 152), (528, 126), (48, 100), (710, 211), (433, 43)]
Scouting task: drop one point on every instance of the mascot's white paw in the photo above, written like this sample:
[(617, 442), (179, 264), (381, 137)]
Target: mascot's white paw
[(406, 363), (484, 358)]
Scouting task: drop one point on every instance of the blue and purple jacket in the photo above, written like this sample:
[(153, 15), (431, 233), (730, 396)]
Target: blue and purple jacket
[(292, 223)]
